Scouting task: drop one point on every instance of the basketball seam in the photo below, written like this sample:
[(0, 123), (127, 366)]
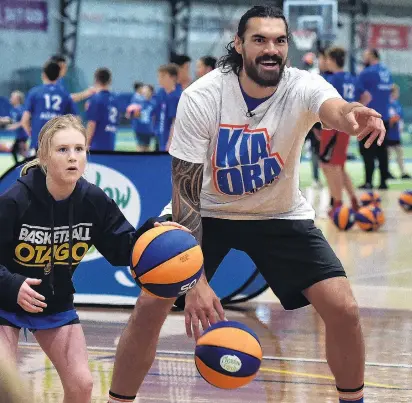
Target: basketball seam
[(171, 284), (169, 258), (226, 373), (161, 262), (229, 374), (131, 255), (232, 349), (250, 332)]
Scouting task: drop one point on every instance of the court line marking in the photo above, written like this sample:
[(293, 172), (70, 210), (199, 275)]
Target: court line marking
[(284, 372), (269, 370), (262, 369), (265, 357)]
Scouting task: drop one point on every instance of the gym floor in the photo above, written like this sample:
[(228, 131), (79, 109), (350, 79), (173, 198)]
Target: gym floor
[(294, 367)]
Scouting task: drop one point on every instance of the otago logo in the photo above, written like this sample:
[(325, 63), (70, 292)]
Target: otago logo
[(119, 188), (34, 249), (38, 255)]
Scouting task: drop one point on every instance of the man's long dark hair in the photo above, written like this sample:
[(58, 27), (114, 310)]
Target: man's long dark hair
[(233, 61)]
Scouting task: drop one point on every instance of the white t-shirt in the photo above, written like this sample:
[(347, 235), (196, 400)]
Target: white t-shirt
[(251, 164)]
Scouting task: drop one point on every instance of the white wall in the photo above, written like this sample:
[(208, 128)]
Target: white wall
[(130, 38)]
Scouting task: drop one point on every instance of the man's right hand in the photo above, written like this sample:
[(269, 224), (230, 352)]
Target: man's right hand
[(202, 304), (30, 300)]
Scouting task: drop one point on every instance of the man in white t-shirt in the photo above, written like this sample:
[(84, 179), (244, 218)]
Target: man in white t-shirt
[(236, 150)]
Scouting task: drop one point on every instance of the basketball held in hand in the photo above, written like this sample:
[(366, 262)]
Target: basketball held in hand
[(166, 262)]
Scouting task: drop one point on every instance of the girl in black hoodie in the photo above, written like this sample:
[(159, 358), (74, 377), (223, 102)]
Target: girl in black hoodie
[(49, 219)]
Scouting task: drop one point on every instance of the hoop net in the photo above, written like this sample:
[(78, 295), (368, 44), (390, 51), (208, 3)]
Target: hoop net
[(304, 39)]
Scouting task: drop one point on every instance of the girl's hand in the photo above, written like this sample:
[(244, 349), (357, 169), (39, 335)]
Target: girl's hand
[(30, 300)]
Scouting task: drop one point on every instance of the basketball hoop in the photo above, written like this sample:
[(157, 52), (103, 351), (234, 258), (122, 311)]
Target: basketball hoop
[(304, 39)]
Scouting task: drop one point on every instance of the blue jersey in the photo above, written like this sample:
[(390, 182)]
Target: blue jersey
[(166, 109), (395, 109), (61, 83), (347, 85), (15, 115), (326, 75), (144, 123), (45, 102), (377, 80), (137, 98), (103, 109)]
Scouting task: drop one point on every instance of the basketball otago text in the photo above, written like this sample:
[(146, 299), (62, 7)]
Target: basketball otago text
[(34, 247), (243, 161)]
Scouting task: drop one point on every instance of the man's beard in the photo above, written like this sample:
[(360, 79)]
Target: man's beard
[(366, 64), (261, 77)]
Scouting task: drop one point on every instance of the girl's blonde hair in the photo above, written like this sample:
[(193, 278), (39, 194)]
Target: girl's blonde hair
[(46, 135)]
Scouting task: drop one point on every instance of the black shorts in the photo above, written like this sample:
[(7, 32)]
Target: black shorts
[(372, 149), (392, 143), (291, 255), (16, 145), (143, 139)]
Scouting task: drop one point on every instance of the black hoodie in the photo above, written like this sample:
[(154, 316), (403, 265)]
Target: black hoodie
[(33, 224)]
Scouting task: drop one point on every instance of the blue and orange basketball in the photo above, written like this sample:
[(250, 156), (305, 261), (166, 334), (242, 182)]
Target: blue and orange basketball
[(344, 218), (133, 111), (380, 217), (405, 200), (369, 218), (166, 261), (228, 355), (371, 197)]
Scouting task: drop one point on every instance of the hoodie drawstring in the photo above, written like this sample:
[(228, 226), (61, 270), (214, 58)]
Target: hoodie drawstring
[(51, 275), (70, 237)]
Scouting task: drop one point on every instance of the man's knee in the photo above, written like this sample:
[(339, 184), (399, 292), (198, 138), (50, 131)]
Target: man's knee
[(151, 309), (344, 314)]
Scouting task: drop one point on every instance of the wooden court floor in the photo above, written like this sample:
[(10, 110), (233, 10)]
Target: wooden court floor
[(379, 266)]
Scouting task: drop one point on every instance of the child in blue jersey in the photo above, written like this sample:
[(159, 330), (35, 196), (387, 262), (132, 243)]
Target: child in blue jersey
[(322, 64), (45, 102), (167, 99), (205, 65), (142, 111), (376, 79), (183, 63), (314, 135), (334, 144), (102, 113), (77, 96), (62, 62), (49, 219), (393, 137), (20, 146), (133, 109)]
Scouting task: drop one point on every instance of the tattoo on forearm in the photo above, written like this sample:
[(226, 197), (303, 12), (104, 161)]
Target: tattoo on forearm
[(187, 181)]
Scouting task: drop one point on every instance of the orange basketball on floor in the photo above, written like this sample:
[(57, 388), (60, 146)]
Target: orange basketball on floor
[(370, 197), (228, 355), (380, 217), (166, 261), (369, 218), (405, 200), (344, 218)]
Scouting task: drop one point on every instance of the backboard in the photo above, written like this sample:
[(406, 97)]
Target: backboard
[(319, 16)]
